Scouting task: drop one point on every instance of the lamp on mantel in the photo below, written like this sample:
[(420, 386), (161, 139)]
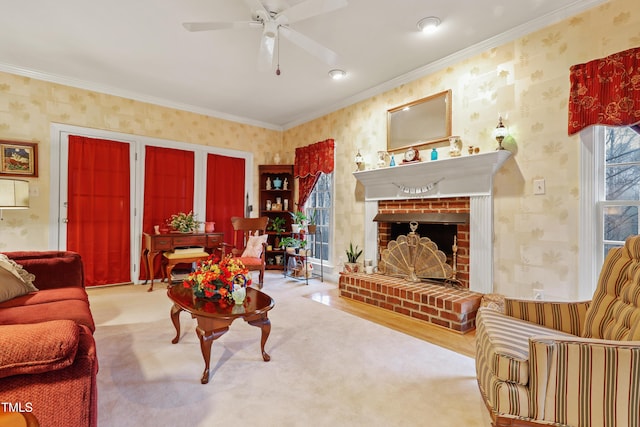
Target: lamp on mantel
[(359, 161), (500, 133), (14, 194)]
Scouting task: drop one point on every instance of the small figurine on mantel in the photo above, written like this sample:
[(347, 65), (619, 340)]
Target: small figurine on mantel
[(268, 183), (286, 184)]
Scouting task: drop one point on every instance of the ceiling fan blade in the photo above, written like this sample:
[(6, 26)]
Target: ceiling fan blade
[(311, 46), (310, 8), (209, 26)]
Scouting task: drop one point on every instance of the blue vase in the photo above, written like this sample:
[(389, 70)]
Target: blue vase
[(434, 154), (277, 183)]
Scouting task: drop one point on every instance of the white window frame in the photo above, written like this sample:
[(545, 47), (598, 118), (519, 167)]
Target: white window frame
[(592, 206), (330, 255), (592, 191)]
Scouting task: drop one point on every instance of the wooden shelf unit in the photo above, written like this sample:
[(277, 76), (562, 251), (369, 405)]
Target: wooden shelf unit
[(272, 172)]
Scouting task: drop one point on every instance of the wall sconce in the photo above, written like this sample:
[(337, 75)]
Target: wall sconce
[(14, 194), (500, 133), (359, 161)]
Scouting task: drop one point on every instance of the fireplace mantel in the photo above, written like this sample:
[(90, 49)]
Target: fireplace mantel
[(470, 175), (467, 176)]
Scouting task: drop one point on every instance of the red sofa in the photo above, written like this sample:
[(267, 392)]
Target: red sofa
[(48, 362)]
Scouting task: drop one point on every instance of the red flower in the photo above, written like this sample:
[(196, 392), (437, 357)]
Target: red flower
[(213, 278)]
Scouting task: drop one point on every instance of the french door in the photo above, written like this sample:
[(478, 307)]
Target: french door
[(98, 188), (225, 192), (98, 208)]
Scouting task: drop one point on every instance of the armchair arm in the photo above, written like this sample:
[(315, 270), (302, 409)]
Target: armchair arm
[(562, 316), (573, 380), (37, 347), (53, 269)]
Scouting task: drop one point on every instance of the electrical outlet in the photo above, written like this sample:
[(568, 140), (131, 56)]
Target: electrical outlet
[(538, 294), (538, 186)]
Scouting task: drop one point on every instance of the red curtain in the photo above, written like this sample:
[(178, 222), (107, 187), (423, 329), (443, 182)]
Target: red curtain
[(310, 161), (605, 91), (98, 209), (168, 188), (225, 192)]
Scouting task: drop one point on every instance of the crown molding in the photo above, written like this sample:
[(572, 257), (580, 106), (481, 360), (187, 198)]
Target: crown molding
[(109, 90)]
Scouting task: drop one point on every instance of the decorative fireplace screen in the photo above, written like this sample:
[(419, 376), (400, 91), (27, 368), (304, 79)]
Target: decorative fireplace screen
[(415, 258)]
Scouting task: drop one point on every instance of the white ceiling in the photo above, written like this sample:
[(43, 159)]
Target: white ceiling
[(139, 49)]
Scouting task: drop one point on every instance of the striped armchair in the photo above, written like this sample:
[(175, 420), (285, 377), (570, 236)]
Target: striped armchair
[(566, 364)]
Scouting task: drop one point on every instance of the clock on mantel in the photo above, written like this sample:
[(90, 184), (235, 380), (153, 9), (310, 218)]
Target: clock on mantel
[(411, 155)]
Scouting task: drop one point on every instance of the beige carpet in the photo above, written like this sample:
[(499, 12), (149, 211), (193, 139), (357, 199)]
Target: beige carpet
[(327, 368)]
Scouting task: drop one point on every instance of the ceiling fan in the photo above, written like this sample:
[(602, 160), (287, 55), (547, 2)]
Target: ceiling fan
[(275, 23)]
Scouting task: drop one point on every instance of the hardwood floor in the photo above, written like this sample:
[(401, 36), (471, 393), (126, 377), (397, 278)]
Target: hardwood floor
[(460, 343)]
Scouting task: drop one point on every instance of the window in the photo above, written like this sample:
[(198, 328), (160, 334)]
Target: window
[(609, 196), (618, 208), (320, 203)]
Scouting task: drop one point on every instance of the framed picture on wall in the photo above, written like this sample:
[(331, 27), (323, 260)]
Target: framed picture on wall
[(18, 158)]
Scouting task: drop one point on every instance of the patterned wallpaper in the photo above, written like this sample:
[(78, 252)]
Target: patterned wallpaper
[(536, 237), (28, 107)]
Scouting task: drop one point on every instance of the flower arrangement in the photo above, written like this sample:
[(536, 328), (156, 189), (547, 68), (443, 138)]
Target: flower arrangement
[(214, 278), (184, 222)]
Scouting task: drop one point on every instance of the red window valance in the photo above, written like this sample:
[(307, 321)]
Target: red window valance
[(310, 161), (605, 91)]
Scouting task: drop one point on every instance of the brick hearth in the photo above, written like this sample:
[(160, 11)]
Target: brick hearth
[(448, 307)]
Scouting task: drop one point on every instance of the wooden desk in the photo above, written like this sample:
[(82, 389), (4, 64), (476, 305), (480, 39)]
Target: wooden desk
[(153, 244)]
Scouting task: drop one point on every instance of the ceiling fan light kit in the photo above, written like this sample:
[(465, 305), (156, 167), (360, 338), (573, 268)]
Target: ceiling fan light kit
[(429, 24)]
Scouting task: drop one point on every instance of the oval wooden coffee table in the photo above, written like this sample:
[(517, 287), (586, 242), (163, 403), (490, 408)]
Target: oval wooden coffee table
[(214, 318)]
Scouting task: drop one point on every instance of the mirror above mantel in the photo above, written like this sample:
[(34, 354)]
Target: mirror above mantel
[(421, 122)]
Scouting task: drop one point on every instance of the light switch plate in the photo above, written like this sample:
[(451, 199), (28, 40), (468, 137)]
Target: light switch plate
[(538, 186)]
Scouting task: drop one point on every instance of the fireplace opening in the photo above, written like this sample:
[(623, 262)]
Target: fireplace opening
[(449, 216), (440, 234)]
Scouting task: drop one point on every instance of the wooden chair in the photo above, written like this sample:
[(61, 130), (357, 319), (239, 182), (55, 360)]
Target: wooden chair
[(249, 243)]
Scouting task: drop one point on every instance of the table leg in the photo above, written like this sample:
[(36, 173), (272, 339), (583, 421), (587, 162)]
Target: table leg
[(206, 337), (150, 258), (145, 260), (175, 318), (264, 324)]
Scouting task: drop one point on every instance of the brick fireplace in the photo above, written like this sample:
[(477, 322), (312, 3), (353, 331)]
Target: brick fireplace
[(455, 186), (412, 209)]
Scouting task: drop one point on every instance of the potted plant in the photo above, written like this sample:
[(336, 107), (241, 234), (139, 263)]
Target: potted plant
[(299, 221), (311, 226), (303, 245), (277, 225), (184, 222), (290, 244), (353, 254)]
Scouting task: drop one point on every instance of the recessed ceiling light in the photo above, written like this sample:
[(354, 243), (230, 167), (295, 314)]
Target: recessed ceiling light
[(429, 24), (337, 74)]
